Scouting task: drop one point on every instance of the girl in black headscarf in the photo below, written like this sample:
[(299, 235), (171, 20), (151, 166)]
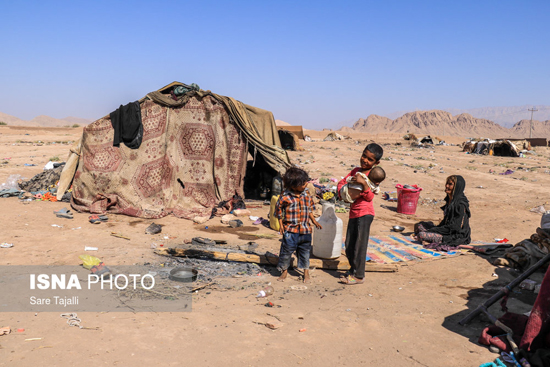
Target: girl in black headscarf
[(454, 229)]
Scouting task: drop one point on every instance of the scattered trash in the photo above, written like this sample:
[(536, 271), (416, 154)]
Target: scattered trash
[(153, 245), (6, 245), (20, 330), (494, 275), (32, 339), (57, 225), (227, 218), (258, 221), (508, 172), (72, 319), (269, 304), (5, 330), (202, 241), (538, 209), (480, 187), (76, 228), (5, 193), (241, 212), (390, 195), (302, 330), (253, 218), (235, 223), (528, 284), (537, 289), (29, 164), (63, 213), (88, 248), (97, 219), (49, 165), (118, 235), (11, 182), (274, 325), (153, 228), (266, 292), (298, 287)]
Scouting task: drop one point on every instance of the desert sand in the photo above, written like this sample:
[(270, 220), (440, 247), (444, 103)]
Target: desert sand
[(406, 318)]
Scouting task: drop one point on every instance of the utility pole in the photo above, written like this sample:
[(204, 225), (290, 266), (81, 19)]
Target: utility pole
[(531, 126)]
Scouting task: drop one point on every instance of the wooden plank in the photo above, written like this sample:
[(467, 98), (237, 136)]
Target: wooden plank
[(337, 264)]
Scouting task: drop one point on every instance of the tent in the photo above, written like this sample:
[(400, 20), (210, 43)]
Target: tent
[(335, 137), (502, 147), (295, 129), (289, 140), (193, 155)]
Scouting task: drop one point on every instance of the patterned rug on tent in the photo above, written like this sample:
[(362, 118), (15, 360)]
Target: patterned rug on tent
[(396, 248)]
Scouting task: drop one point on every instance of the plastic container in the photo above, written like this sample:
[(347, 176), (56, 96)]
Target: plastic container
[(407, 199), (266, 292), (327, 242), (273, 221)]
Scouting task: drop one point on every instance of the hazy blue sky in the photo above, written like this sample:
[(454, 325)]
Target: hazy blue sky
[(314, 63)]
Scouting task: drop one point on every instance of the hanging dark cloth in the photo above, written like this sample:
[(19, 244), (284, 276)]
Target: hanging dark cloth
[(127, 124), (455, 226)]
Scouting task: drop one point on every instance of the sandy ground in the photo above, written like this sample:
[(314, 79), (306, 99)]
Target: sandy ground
[(408, 318)]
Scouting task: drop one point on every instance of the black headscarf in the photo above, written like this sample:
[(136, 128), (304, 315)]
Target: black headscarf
[(455, 226)]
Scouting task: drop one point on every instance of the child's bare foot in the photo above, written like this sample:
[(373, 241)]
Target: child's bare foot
[(283, 276), (307, 278)]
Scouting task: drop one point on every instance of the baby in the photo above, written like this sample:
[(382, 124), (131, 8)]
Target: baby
[(351, 191)]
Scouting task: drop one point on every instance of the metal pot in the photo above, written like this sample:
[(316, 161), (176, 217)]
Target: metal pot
[(397, 229), (183, 274)]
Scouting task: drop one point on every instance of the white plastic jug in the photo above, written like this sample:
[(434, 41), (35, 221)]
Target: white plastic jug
[(327, 242)]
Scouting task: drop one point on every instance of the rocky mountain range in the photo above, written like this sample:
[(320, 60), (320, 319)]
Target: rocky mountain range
[(437, 122), (504, 116)]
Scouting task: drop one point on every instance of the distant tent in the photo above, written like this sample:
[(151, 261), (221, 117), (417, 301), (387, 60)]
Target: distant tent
[(469, 146), (424, 140), (289, 140), (482, 147), (504, 148), (501, 148), (427, 140), (334, 137)]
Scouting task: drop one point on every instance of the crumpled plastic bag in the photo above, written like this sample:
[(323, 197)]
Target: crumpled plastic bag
[(11, 182), (89, 261)]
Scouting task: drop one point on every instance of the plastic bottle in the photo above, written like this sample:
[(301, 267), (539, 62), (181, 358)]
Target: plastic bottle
[(266, 292), (327, 242)]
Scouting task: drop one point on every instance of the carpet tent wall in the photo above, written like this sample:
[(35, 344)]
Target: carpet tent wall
[(192, 156)]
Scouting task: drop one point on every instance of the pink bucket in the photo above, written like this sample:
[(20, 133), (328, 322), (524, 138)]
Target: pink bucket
[(407, 199)]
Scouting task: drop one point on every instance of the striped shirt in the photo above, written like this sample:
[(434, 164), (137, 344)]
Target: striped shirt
[(294, 210)]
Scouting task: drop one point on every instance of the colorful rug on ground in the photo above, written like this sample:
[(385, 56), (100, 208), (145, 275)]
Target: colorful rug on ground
[(396, 248)]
